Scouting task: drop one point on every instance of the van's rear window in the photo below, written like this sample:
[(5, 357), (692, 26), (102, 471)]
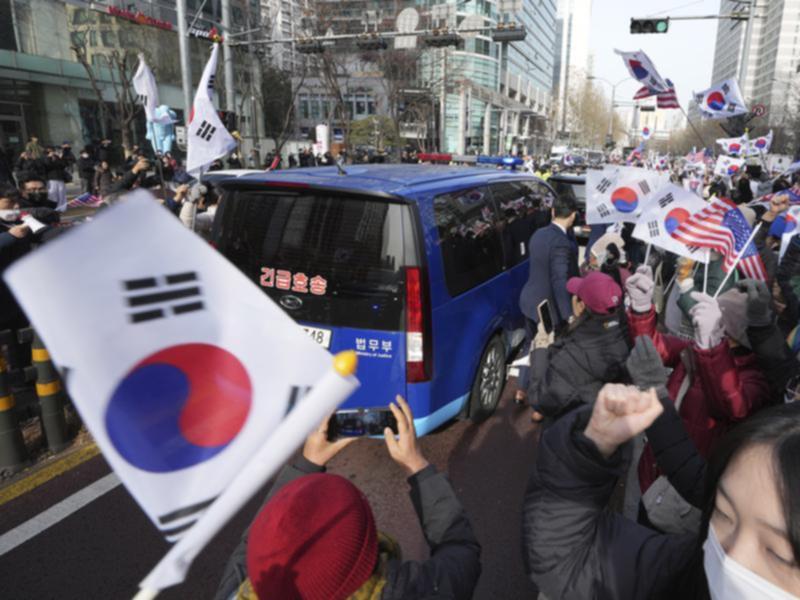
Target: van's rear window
[(341, 257)]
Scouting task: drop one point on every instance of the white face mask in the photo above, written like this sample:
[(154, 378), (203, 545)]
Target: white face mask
[(728, 580), (9, 215)]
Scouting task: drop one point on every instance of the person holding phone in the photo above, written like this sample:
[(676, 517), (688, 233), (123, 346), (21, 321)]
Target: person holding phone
[(315, 537), (571, 370)]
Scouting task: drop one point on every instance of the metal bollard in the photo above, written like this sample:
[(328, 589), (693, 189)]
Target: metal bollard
[(51, 397), (13, 453)]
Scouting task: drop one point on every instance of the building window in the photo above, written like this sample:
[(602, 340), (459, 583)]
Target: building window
[(304, 106)]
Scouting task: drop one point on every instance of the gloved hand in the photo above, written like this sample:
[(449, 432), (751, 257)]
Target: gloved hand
[(707, 321), (542, 338), (759, 311), (645, 366), (640, 288)]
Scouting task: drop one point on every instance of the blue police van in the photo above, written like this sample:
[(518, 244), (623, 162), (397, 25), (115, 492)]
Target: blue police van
[(418, 268)]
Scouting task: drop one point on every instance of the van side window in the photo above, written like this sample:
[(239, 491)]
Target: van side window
[(522, 212), (471, 248)]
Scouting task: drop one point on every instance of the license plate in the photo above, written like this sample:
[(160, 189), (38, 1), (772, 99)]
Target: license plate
[(321, 336)]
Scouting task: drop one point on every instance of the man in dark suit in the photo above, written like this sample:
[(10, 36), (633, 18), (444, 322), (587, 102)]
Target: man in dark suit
[(553, 256)]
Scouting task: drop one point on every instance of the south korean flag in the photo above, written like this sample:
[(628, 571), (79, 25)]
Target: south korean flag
[(207, 137), (190, 379), (619, 194), (668, 209)]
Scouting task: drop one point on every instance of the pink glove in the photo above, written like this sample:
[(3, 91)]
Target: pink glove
[(640, 289), (707, 321)]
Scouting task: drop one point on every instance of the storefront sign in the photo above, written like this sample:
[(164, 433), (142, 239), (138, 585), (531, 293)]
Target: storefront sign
[(140, 18)]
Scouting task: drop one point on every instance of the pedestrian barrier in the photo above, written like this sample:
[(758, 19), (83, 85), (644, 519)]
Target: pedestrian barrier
[(13, 453), (48, 389)]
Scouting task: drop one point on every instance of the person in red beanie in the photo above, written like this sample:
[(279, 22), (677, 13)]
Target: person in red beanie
[(571, 370), (315, 537)]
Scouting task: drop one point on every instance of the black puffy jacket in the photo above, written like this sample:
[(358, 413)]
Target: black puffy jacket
[(574, 368), (574, 548)]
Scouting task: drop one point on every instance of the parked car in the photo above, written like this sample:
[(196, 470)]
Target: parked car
[(418, 268), (574, 185)]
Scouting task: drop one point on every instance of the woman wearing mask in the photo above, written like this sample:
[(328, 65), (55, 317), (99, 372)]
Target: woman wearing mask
[(748, 546)]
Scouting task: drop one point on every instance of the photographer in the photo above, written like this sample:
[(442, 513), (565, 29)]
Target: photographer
[(315, 537)]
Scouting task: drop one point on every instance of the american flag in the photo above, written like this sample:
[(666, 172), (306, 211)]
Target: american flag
[(643, 93), (669, 99), (722, 227), (86, 200)]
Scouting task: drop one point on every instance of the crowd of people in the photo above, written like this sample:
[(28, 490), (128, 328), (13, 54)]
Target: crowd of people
[(685, 387)]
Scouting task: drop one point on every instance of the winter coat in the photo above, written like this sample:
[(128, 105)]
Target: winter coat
[(676, 455), (86, 168), (574, 368), (774, 357), (573, 547), (103, 182), (726, 387), (27, 167), (451, 572), (54, 168), (11, 249), (787, 277)]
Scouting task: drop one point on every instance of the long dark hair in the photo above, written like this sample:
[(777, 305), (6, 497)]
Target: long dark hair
[(777, 427)]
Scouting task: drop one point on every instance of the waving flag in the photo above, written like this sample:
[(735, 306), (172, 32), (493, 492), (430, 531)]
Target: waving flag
[(722, 227), (789, 225), (669, 208), (207, 138), (760, 145), (734, 146), (619, 194), (693, 184), (144, 83), (668, 100), (721, 101), (647, 133), (643, 70), (728, 166), (191, 380), (643, 93)]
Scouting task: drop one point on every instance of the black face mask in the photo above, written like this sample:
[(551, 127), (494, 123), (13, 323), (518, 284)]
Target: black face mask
[(38, 199)]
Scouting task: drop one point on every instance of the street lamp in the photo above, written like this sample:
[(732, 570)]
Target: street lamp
[(613, 99)]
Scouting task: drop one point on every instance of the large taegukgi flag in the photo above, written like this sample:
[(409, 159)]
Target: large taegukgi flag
[(643, 70), (182, 369), (669, 209), (721, 101), (619, 194), (207, 138)]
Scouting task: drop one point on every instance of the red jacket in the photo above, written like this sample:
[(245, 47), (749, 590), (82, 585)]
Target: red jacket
[(725, 388)]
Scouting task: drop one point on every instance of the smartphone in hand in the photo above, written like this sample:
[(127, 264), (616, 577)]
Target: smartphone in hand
[(360, 422)]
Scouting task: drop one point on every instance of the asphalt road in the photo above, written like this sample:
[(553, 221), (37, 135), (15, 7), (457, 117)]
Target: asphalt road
[(104, 549)]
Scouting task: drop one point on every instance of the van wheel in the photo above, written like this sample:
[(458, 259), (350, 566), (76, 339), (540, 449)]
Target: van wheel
[(489, 381)]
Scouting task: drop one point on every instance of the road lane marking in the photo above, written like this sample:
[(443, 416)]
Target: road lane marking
[(49, 472), (56, 513)]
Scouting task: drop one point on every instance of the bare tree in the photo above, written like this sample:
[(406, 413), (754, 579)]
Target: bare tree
[(121, 66)]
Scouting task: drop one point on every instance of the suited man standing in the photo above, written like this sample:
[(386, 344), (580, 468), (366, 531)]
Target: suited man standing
[(553, 254)]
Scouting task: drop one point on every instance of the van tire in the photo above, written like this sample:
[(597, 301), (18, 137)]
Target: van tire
[(489, 381)]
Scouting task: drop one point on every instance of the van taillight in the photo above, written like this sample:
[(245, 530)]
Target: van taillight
[(417, 363)]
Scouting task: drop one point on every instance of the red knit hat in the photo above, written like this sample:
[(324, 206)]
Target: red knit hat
[(314, 540)]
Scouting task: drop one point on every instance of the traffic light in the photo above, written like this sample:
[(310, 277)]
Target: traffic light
[(650, 25)]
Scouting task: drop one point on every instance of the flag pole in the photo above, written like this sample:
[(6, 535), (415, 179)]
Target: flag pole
[(328, 393), (738, 259), (647, 253), (696, 132)]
